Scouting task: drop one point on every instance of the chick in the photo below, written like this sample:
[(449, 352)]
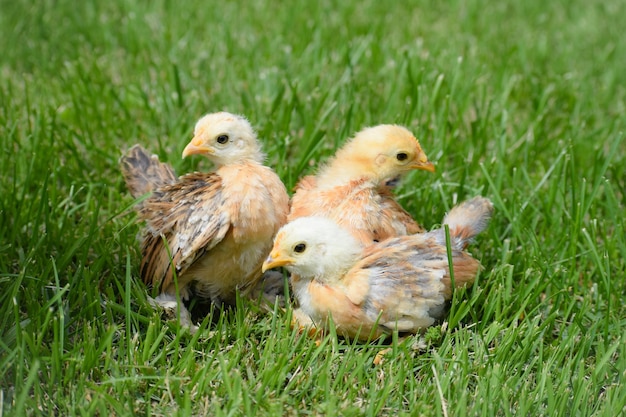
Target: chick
[(207, 230), (401, 283), (353, 188)]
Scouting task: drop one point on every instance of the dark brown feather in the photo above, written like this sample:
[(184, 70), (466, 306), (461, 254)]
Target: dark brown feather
[(184, 221), (143, 173)]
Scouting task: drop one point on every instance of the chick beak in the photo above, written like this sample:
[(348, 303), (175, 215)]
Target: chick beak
[(197, 147), (276, 259), (422, 162)]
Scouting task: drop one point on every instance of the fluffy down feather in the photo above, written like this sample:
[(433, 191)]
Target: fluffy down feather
[(401, 283), (214, 229), (354, 188)]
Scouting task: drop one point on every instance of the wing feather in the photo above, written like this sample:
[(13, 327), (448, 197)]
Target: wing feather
[(143, 172), (413, 272), (185, 220)]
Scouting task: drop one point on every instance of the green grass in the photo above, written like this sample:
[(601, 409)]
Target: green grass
[(523, 102)]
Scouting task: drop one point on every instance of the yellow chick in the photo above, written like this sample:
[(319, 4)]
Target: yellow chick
[(210, 230), (352, 188), (400, 283)]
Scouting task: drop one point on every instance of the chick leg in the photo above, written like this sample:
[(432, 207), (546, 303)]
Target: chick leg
[(303, 323), (270, 289), (172, 307), (380, 356)]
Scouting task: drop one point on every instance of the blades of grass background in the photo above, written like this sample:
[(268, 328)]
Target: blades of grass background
[(492, 104), (127, 309), (24, 390)]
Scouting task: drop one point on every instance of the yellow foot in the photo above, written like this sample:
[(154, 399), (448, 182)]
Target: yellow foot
[(305, 325), (380, 356)]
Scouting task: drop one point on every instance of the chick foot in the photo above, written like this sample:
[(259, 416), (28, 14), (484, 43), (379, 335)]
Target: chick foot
[(173, 310)]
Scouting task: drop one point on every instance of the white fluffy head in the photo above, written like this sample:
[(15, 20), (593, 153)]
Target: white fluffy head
[(225, 138), (314, 247)]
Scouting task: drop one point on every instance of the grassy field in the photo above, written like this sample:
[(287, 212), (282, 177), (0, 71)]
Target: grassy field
[(522, 102)]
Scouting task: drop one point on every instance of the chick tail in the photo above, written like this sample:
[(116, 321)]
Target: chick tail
[(464, 221), (143, 172), (467, 220)]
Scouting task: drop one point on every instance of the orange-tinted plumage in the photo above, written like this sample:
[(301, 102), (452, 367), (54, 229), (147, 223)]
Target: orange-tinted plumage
[(352, 187), (401, 283), (212, 230)]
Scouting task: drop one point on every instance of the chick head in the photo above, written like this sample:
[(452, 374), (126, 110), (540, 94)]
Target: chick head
[(314, 247), (380, 153), (224, 138)]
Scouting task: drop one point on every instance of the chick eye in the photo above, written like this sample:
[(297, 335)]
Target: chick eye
[(299, 248), (401, 156), (222, 139)]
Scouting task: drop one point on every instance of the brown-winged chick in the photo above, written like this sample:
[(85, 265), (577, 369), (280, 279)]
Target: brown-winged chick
[(401, 283), (210, 230), (352, 187)]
